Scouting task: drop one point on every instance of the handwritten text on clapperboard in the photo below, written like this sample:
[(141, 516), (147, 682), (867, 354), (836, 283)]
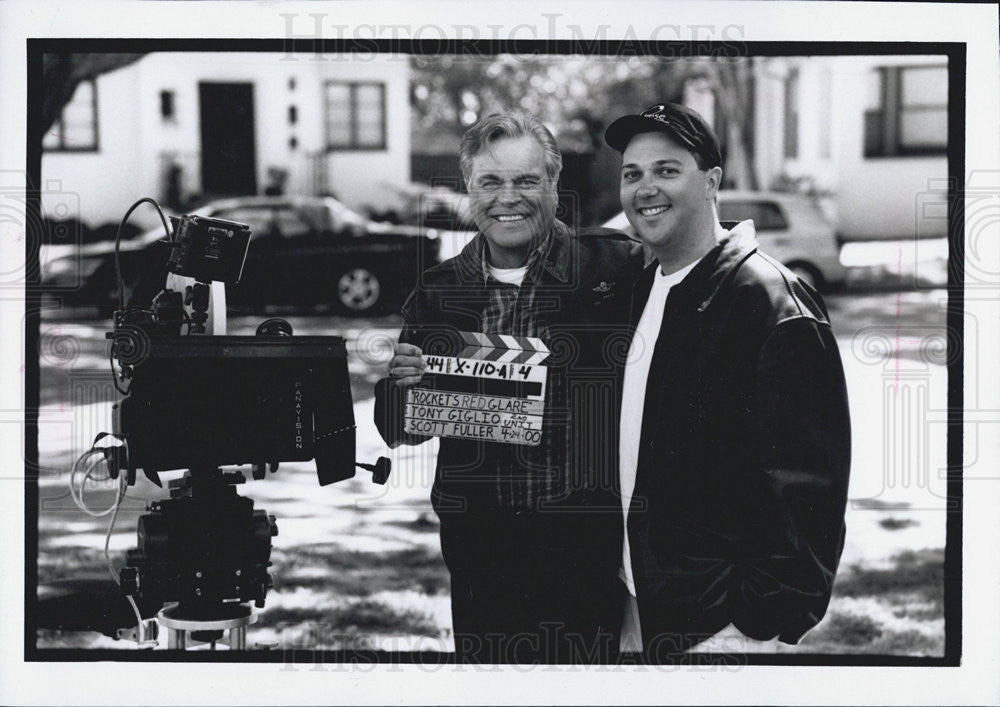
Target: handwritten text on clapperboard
[(494, 390)]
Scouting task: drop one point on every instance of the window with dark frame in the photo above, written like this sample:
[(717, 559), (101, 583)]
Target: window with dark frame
[(355, 115), (75, 130), (907, 112)]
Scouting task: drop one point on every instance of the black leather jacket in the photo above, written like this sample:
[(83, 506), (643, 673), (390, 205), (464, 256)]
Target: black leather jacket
[(738, 509)]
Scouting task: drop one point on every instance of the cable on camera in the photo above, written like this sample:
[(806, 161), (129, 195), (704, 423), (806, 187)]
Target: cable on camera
[(118, 238), (77, 491)]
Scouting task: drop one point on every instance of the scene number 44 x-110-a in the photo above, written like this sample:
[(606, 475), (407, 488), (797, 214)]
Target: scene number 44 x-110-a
[(478, 369)]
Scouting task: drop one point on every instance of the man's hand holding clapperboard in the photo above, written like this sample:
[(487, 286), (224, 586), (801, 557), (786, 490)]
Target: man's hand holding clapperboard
[(493, 389)]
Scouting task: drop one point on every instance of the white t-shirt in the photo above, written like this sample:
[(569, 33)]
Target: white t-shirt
[(640, 354), (509, 276)]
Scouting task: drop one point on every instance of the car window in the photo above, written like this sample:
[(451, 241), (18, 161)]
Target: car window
[(314, 215), (766, 215), (291, 224), (343, 218)]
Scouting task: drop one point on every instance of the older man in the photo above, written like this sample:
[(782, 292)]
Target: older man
[(530, 534), (735, 447)]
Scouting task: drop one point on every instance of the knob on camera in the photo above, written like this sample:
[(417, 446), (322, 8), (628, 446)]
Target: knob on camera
[(274, 327), (380, 469)]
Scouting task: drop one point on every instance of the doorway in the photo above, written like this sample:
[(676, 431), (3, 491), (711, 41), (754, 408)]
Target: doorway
[(228, 150)]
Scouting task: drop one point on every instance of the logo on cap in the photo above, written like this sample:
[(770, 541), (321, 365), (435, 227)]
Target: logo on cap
[(677, 121)]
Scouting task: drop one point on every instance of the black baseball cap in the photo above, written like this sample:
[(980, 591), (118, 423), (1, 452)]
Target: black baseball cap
[(677, 122)]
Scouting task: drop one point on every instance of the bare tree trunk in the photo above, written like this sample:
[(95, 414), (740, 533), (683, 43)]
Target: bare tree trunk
[(734, 84), (62, 73)]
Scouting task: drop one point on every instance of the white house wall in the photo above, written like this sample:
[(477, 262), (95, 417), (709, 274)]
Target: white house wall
[(879, 197), (134, 138), (355, 175), (116, 175), (882, 196)]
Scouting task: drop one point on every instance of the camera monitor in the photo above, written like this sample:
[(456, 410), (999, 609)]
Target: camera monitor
[(210, 401)]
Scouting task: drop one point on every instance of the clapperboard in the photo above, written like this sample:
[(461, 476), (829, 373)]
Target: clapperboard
[(493, 390)]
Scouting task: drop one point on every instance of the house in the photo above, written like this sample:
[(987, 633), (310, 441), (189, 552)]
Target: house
[(180, 124), (869, 131)]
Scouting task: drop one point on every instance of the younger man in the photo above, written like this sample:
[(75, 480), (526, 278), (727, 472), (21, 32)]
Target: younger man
[(735, 436)]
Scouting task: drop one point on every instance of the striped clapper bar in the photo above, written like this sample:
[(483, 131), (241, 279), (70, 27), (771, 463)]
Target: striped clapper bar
[(493, 391)]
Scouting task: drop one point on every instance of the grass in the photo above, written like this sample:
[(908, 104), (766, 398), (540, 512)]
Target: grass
[(853, 630), (360, 574), (357, 617), (919, 573), (896, 610), (897, 523), (323, 591), (385, 575), (877, 504), (423, 524)]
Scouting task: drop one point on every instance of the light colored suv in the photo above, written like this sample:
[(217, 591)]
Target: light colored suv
[(790, 228)]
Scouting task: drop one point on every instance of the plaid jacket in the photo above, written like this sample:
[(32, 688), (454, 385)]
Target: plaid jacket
[(575, 298)]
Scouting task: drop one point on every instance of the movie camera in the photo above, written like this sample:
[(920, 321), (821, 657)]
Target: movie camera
[(199, 400)]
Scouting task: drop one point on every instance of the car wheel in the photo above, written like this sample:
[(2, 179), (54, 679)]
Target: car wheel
[(358, 290), (808, 275)]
